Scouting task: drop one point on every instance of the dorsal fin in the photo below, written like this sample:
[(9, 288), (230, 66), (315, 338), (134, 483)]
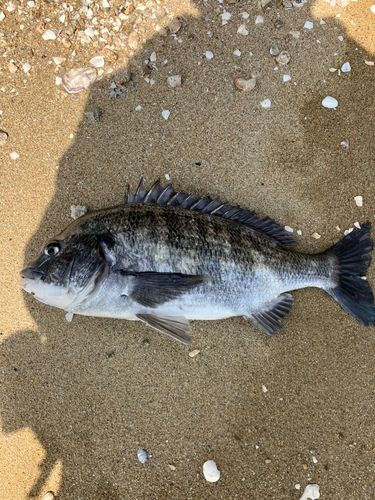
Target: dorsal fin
[(168, 196)]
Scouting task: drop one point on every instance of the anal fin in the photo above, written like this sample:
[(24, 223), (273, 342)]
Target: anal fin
[(269, 320), (176, 327)]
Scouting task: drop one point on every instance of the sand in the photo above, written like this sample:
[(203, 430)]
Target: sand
[(77, 400)]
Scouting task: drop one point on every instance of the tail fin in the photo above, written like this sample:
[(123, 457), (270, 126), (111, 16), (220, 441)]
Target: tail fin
[(353, 293)]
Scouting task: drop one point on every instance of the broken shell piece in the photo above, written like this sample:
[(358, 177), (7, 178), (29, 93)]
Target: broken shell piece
[(311, 491), (78, 79), (330, 102), (357, 225), (286, 78), (345, 145), (266, 103), (245, 85), (210, 471), (274, 50), (49, 35), (316, 236), (345, 68), (69, 317), (3, 137), (142, 456), (49, 496), (174, 26), (259, 20), (283, 58), (77, 211), (174, 81), (97, 61), (369, 63), (358, 201), (308, 25), (165, 114), (242, 30), (194, 353), (332, 70), (133, 40), (14, 155), (209, 54)]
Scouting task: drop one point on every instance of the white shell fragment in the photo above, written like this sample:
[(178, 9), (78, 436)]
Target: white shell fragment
[(78, 79), (308, 25), (283, 58), (348, 231), (372, 8), (316, 236), (153, 57), (97, 61), (49, 35), (264, 389), (330, 102), (174, 81), (26, 67), (194, 353), (77, 211), (2, 16), (142, 456), (242, 30), (345, 68), (138, 108), (14, 155), (237, 53), (245, 85), (357, 225), (69, 317), (259, 20), (266, 103), (209, 54), (286, 78), (49, 495), (165, 114), (358, 201), (311, 491), (211, 472), (289, 229)]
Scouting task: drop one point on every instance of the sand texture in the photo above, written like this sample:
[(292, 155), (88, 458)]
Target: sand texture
[(77, 400)]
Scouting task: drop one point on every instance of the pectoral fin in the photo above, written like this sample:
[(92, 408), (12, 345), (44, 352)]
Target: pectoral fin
[(153, 289), (269, 320), (176, 327)]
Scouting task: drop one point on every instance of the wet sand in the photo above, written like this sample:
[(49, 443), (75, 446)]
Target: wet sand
[(77, 400)]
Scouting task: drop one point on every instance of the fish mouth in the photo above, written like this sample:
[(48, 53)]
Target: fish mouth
[(29, 275)]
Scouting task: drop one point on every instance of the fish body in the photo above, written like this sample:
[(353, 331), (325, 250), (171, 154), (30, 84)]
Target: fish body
[(166, 258)]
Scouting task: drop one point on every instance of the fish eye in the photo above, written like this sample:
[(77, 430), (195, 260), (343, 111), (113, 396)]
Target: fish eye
[(52, 249)]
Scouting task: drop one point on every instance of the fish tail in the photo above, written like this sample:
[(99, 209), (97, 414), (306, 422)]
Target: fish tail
[(353, 292)]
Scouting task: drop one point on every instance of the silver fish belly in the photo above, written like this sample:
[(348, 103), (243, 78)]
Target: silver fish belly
[(168, 257)]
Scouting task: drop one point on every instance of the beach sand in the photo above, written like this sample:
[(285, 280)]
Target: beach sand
[(77, 400)]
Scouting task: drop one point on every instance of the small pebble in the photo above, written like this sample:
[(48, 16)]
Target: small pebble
[(211, 472), (268, 461), (245, 85), (297, 486), (278, 24), (259, 20), (142, 456), (12, 68), (274, 50), (174, 81), (266, 103), (358, 201), (77, 211), (286, 78), (311, 491), (167, 177), (299, 232), (49, 35), (49, 495), (165, 114), (341, 38), (133, 40), (345, 145), (14, 155), (316, 236), (194, 353), (308, 25), (370, 63), (330, 102), (3, 137), (314, 460), (123, 76), (97, 61), (209, 54), (174, 26), (172, 467), (345, 68), (94, 116), (283, 58), (237, 53)]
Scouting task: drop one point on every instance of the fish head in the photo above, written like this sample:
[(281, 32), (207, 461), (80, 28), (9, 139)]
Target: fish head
[(67, 271)]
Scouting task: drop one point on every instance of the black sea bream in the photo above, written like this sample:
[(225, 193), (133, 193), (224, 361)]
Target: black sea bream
[(165, 258)]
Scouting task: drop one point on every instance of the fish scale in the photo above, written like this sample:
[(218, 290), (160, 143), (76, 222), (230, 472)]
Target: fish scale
[(167, 257)]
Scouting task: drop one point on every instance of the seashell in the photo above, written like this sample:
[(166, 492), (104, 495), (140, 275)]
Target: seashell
[(283, 58), (133, 40), (78, 79), (274, 50), (142, 456), (245, 85), (358, 201), (311, 491), (345, 68), (49, 496), (174, 81), (210, 471), (49, 35), (266, 103), (330, 102)]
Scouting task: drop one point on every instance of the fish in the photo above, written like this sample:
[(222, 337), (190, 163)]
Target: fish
[(166, 257)]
